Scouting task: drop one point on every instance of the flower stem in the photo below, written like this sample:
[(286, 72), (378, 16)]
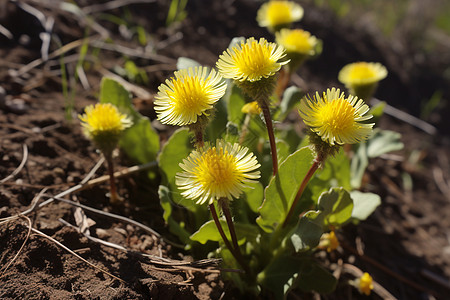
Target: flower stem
[(199, 138), (233, 251), (273, 148), (223, 202), (305, 181), (114, 197)]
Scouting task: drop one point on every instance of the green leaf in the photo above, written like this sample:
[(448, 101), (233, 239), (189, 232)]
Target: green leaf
[(282, 150), (314, 277), (279, 275), (336, 206), (281, 191), (254, 195), (336, 172), (174, 227), (209, 232), (383, 141), (185, 63), (176, 149), (306, 235), (113, 92), (364, 204), (140, 142)]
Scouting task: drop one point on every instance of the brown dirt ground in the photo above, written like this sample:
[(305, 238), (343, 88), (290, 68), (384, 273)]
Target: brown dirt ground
[(404, 244)]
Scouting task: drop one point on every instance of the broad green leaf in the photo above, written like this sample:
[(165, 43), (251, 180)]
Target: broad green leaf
[(282, 150), (383, 141), (174, 227), (113, 92), (209, 232), (254, 196), (140, 142), (306, 235), (336, 172), (281, 191), (336, 206), (364, 204), (185, 63), (176, 149), (314, 277), (280, 274)]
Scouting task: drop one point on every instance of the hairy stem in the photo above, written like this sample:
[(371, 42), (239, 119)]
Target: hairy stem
[(273, 148)]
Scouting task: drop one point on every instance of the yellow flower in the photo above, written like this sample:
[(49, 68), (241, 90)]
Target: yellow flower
[(361, 78), (103, 123), (365, 284), (329, 241), (251, 60), (189, 95), (297, 41), (277, 13), (362, 73), (251, 108), (217, 172), (336, 119)]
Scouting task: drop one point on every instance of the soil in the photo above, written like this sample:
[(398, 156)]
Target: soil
[(404, 245)]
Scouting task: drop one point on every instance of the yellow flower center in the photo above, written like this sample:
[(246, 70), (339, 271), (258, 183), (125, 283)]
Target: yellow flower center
[(362, 70), (279, 13), (299, 41), (217, 171), (255, 59), (338, 115), (189, 96)]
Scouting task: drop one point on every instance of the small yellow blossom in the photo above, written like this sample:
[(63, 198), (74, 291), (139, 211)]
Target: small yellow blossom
[(329, 241), (361, 73), (336, 119), (103, 123), (251, 60), (275, 14), (361, 78), (365, 284), (217, 172), (189, 95), (297, 41), (251, 108)]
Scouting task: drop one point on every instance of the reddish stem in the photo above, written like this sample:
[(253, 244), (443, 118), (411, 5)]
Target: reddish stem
[(233, 251), (273, 147)]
